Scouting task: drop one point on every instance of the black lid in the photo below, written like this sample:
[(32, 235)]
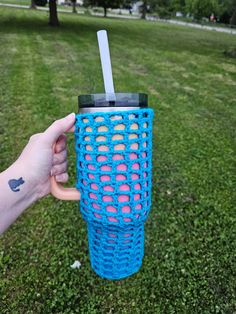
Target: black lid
[(113, 100)]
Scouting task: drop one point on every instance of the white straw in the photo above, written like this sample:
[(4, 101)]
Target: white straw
[(106, 63)]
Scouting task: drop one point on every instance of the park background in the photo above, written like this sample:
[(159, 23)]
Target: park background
[(190, 240)]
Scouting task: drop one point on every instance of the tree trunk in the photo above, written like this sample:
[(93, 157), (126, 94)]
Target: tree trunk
[(33, 5), (144, 10), (105, 11), (74, 6), (53, 19), (233, 18)]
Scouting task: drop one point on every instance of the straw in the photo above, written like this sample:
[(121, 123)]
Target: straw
[(106, 64)]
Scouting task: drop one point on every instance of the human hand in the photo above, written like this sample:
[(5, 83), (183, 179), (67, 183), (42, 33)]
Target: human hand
[(42, 160), (28, 178)]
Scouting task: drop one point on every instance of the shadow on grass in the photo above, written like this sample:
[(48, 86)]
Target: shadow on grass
[(30, 24)]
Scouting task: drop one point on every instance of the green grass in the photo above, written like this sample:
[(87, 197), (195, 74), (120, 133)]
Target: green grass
[(189, 263), (20, 2)]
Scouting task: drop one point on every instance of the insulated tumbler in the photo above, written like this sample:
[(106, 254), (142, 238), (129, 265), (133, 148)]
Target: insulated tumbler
[(113, 143)]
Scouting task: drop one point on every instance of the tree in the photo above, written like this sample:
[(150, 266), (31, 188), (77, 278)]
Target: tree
[(232, 10), (144, 9), (162, 7), (178, 5), (41, 3), (105, 4), (33, 4), (53, 19), (232, 20), (74, 6), (201, 8), (227, 11)]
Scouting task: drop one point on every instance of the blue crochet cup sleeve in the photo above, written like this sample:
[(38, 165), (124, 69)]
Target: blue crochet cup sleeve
[(114, 176)]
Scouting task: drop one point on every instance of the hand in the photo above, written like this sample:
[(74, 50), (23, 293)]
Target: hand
[(28, 178), (42, 161)]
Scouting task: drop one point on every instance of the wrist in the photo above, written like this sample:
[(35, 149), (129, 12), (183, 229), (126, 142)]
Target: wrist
[(21, 183), (17, 192)]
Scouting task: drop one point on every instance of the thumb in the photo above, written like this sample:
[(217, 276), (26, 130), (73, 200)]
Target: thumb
[(59, 127)]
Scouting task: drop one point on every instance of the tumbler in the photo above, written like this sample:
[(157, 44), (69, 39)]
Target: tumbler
[(113, 144)]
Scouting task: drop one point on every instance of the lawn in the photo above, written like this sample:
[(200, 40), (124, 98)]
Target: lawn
[(189, 263), (20, 2)]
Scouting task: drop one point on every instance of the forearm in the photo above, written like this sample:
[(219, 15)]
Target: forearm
[(28, 179), (16, 193)]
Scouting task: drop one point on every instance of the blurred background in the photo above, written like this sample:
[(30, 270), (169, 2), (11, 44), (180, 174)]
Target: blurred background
[(198, 11)]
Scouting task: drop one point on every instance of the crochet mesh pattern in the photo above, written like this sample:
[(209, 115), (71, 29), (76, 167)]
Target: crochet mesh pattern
[(114, 176)]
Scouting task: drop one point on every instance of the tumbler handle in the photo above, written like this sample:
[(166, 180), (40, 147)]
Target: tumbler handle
[(59, 191)]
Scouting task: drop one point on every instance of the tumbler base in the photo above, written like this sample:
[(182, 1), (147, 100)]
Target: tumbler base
[(115, 252), (110, 276)]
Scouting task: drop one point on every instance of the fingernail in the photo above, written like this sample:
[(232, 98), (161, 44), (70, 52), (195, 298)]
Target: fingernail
[(70, 115)]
